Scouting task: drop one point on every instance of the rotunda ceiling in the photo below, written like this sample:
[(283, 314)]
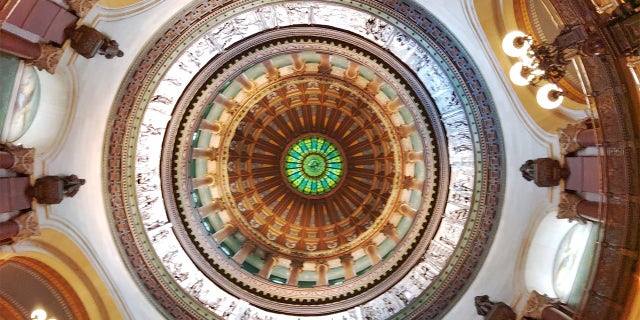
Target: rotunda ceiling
[(276, 225), (303, 158)]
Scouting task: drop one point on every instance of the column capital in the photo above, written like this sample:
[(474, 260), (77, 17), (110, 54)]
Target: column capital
[(272, 71), (229, 104), (351, 73), (81, 7), (394, 105), (373, 87), (568, 206), (406, 130), (411, 183), (27, 226), (391, 232), (298, 63), (406, 210)]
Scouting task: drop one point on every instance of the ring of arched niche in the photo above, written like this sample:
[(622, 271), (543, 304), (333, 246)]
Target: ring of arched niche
[(440, 63)]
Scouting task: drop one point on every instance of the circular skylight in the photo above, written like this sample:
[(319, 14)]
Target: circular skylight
[(313, 165)]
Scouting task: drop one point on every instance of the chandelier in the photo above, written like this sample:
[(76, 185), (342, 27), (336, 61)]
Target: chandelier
[(544, 64)]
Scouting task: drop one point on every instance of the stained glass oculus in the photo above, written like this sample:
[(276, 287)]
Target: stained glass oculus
[(313, 166)]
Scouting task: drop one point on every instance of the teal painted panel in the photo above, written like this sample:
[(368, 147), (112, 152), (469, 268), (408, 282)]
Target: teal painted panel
[(8, 68)]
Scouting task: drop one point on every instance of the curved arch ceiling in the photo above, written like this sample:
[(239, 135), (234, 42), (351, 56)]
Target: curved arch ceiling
[(187, 110)]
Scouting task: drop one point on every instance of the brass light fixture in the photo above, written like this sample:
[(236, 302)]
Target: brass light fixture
[(544, 64)]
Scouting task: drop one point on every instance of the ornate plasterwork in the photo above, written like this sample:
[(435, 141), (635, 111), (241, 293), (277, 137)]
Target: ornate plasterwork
[(397, 261), (412, 34)]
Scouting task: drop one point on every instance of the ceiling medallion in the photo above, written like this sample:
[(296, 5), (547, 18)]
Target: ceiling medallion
[(313, 166)]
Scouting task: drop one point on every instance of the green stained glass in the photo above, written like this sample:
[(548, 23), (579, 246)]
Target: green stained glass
[(313, 166)]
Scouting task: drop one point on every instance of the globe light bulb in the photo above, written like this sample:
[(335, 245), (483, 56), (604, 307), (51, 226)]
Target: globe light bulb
[(519, 75), (549, 96), (515, 44)]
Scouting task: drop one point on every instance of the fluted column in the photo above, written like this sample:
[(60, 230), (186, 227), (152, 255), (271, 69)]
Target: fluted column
[(228, 104), (247, 248), (352, 71), (347, 264), (406, 210), (372, 253), (391, 232), (321, 270), (215, 126), (247, 85), (225, 232), (200, 182), (296, 269), (269, 262), (208, 153), (298, 62)]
